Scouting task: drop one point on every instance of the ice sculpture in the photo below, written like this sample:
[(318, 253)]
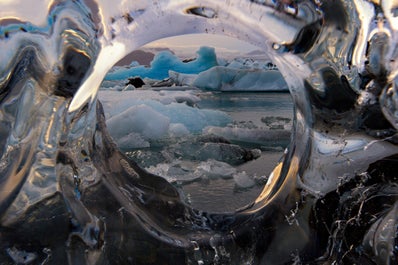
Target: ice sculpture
[(67, 196)]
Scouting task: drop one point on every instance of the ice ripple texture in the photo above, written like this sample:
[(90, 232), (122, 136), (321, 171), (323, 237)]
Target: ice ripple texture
[(68, 196)]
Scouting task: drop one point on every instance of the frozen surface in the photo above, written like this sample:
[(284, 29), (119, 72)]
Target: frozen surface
[(68, 195)]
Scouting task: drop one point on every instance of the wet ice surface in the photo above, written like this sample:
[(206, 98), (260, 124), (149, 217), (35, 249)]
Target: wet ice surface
[(68, 195)]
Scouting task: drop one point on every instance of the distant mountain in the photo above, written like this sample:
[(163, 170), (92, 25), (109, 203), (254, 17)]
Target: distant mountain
[(142, 57), (158, 49)]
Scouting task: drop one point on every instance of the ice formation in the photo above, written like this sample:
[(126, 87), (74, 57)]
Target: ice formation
[(164, 62), (205, 73), (227, 79), (221, 78), (136, 117), (249, 135), (68, 196)]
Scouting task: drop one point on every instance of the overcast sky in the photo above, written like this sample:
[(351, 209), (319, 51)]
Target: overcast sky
[(189, 44)]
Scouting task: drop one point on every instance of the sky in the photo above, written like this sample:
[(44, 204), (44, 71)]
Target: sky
[(189, 44)]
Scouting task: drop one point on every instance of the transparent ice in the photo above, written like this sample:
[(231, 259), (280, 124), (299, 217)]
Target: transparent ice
[(68, 196)]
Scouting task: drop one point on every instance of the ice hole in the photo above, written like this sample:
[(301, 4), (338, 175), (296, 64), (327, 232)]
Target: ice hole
[(209, 113)]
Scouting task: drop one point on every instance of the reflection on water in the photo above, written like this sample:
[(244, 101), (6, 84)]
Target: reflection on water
[(227, 195), (227, 182), (249, 106)]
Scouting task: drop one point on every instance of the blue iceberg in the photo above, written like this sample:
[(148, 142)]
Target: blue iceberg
[(165, 61)]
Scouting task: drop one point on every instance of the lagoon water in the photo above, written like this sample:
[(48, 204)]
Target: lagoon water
[(248, 111), (250, 106)]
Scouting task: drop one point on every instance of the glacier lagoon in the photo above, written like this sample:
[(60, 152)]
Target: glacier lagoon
[(216, 148), (68, 196), (213, 144)]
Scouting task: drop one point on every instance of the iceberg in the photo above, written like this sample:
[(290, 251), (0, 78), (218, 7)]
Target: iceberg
[(205, 72), (137, 117), (68, 195), (221, 78), (140, 119), (164, 62), (179, 172), (255, 135)]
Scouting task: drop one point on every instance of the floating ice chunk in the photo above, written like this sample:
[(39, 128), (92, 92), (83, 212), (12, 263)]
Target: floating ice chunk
[(182, 79), (242, 180), (238, 63), (115, 102), (165, 61), (129, 113), (177, 171), (183, 171), (160, 169), (247, 63), (277, 122), (230, 79), (215, 169), (261, 136), (189, 98), (139, 119), (195, 119)]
